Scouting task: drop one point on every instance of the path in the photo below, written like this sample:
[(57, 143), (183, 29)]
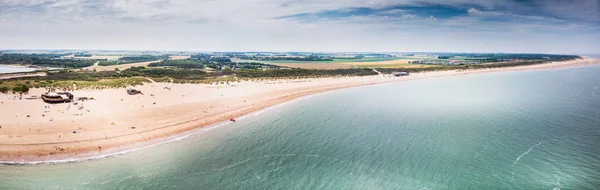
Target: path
[(379, 73)]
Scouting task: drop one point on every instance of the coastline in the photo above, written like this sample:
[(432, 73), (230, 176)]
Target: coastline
[(169, 124)]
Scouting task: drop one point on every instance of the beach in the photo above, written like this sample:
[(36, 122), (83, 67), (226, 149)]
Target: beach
[(113, 121)]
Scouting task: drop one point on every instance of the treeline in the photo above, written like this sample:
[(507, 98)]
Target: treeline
[(209, 58), (47, 60), (279, 58), (474, 66), (142, 58), (108, 63), (240, 65), (82, 55), (184, 63), (304, 72), (220, 59), (200, 64), (201, 61), (503, 57), (201, 56)]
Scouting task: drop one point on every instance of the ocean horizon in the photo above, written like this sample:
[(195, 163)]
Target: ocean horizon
[(506, 130)]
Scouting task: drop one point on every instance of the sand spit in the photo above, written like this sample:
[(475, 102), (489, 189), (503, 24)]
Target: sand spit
[(115, 121)]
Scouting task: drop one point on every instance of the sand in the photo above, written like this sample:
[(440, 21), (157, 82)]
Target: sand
[(32, 130), (120, 66)]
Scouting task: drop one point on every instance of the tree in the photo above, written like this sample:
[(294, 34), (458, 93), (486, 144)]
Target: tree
[(4, 89)]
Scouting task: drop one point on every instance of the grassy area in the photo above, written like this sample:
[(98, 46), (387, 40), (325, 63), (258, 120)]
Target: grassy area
[(66, 85), (101, 84)]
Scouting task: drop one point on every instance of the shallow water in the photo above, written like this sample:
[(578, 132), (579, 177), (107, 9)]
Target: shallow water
[(512, 130), (14, 69)]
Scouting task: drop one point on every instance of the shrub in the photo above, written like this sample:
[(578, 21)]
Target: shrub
[(24, 88), (16, 89)]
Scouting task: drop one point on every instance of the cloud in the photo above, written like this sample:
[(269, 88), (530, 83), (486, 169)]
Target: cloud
[(308, 25), (432, 18)]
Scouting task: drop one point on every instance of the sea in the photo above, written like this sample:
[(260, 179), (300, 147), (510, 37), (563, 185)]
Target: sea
[(507, 130)]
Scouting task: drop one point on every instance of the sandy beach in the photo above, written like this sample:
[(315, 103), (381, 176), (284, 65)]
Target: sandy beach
[(32, 130)]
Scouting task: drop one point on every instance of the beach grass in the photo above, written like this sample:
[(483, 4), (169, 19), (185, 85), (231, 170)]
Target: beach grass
[(68, 85)]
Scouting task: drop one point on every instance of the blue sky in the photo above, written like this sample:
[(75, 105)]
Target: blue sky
[(544, 26)]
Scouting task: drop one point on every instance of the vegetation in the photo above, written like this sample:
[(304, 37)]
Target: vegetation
[(220, 59), (15, 87), (276, 58), (108, 63), (241, 65), (202, 61), (304, 72), (141, 58), (47, 60), (474, 66), (82, 55), (184, 63), (195, 70)]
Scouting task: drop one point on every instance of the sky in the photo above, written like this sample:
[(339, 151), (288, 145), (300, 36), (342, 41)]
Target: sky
[(527, 26)]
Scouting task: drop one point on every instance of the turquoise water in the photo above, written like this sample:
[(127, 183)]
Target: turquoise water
[(513, 130)]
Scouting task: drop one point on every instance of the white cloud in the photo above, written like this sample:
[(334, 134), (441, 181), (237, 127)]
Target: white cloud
[(251, 25)]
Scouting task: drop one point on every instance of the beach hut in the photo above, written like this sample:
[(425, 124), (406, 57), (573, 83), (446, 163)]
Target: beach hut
[(399, 74), (60, 97), (132, 91)]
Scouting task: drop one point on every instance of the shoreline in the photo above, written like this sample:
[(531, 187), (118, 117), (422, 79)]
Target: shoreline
[(166, 129)]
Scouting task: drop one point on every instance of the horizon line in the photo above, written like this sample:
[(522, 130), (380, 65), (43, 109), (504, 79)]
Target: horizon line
[(253, 51)]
